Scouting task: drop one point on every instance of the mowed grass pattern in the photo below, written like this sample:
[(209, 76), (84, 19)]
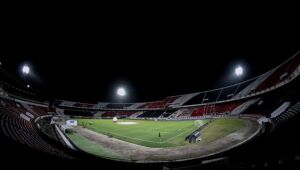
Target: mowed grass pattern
[(144, 132)]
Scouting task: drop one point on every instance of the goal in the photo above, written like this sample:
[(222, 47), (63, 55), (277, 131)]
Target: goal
[(198, 123)]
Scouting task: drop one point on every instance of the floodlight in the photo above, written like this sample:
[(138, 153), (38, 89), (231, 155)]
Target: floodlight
[(121, 91), (25, 69), (239, 71)]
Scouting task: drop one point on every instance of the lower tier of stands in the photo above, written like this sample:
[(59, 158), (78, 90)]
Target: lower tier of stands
[(117, 113), (16, 126), (151, 114)]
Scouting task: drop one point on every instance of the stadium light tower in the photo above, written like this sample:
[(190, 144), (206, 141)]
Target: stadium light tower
[(239, 71), (25, 69)]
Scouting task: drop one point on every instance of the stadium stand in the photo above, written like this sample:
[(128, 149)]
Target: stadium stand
[(136, 114), (117, 105), (281, 73), (21, 128), (255, 86), (122, 114), (151, 114), (183, 99), (98, 114), (184, 114), (159, 104), (241, 108), (250, 86), (215, 109), (272, 99), (285, 115)]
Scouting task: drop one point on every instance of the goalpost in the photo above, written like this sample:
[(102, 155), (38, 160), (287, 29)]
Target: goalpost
[(198, 123)]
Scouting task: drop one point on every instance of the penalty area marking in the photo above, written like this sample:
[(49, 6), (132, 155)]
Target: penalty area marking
[(126, 123), (175, 136)]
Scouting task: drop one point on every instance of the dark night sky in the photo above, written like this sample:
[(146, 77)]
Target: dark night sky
[(85, 61)]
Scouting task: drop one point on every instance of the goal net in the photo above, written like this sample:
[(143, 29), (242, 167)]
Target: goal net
[(198, 123)]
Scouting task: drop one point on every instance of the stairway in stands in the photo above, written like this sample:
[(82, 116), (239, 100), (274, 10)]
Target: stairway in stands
[(287, 115)]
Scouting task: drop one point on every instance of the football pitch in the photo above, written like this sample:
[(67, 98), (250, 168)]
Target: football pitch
[(143, 132), (154, 140), (160, 134)]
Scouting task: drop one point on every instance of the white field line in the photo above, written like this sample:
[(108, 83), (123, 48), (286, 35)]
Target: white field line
[(175, 136)]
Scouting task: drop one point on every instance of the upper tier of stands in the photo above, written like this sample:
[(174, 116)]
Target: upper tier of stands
[(159, 104), (272, 79)]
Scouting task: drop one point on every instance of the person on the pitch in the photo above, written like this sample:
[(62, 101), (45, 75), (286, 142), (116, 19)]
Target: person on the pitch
[(159, 134)]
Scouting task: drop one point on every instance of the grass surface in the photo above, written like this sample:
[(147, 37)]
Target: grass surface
[(144, 132), (220, 128), (91, 147)]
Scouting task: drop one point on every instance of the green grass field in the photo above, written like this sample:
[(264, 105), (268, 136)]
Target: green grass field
[(220, 128), (92, 147), (144, 132), (172, 133)]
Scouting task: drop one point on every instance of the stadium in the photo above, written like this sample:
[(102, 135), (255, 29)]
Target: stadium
[(207, 129)]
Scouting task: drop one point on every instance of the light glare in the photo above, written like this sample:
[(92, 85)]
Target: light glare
[(239, 71), (121, 91), (26, 69)]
